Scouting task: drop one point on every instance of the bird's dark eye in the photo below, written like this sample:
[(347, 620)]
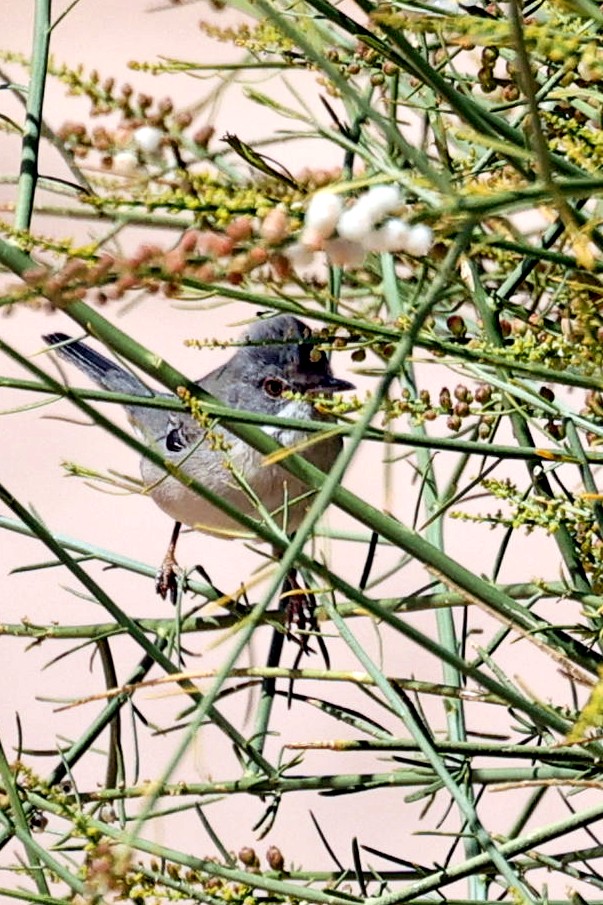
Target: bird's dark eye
[(174, 441), (274, 386)]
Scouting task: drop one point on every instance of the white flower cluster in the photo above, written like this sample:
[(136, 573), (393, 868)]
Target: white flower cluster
[(144, 144), (347, 234)]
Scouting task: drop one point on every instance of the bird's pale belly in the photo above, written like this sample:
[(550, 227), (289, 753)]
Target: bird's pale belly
[(278, 491), (283, 496)]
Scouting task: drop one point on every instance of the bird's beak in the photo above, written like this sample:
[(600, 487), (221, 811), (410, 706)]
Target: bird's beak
[(330, 384)]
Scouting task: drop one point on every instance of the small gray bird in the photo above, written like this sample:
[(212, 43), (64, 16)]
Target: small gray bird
[(281, 356)]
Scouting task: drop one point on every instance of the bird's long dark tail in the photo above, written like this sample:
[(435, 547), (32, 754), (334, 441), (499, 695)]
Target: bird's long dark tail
[(100, 369)]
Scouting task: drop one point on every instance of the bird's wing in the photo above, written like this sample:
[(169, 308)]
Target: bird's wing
[(152, 423)]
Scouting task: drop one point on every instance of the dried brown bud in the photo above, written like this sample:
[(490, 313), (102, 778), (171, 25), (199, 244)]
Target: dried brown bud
[(165, 106), (183, 120), (510, 93), (205, 273), (445, 400), (174, 261), (240, 228), (248, 857), (275, 859), (483, 393), (203, 136), (35, 276)]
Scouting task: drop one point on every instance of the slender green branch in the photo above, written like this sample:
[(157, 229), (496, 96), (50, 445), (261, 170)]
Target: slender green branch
[(134, 631), (229, 417), (21, 826), (33, 117), (455, 575), (340, 782)]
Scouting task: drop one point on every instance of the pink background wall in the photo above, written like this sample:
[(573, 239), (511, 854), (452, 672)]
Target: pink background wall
[(107, 35)]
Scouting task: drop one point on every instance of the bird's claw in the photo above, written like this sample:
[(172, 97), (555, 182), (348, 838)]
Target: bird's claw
[(168, 579), (300, 606)]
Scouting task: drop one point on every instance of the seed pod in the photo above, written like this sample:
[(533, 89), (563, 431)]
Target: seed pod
[(248, 857), (275, 859), (483, 394)]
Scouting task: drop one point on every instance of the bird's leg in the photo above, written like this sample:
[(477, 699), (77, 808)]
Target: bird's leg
[(299, 605), (300, 609), (166, 579)]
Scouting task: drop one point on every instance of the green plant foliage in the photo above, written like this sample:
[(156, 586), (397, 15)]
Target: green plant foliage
[(443, 242)]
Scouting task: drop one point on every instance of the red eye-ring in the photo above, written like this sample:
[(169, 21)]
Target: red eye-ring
[(274, 386)]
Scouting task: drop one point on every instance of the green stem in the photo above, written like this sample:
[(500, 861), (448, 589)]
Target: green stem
[(28, 176), (20, 825), (132, 627), (205, 865), (509, 850), (455, 575), (540, 482), (339, 782), (374, 434), (407, 715)]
